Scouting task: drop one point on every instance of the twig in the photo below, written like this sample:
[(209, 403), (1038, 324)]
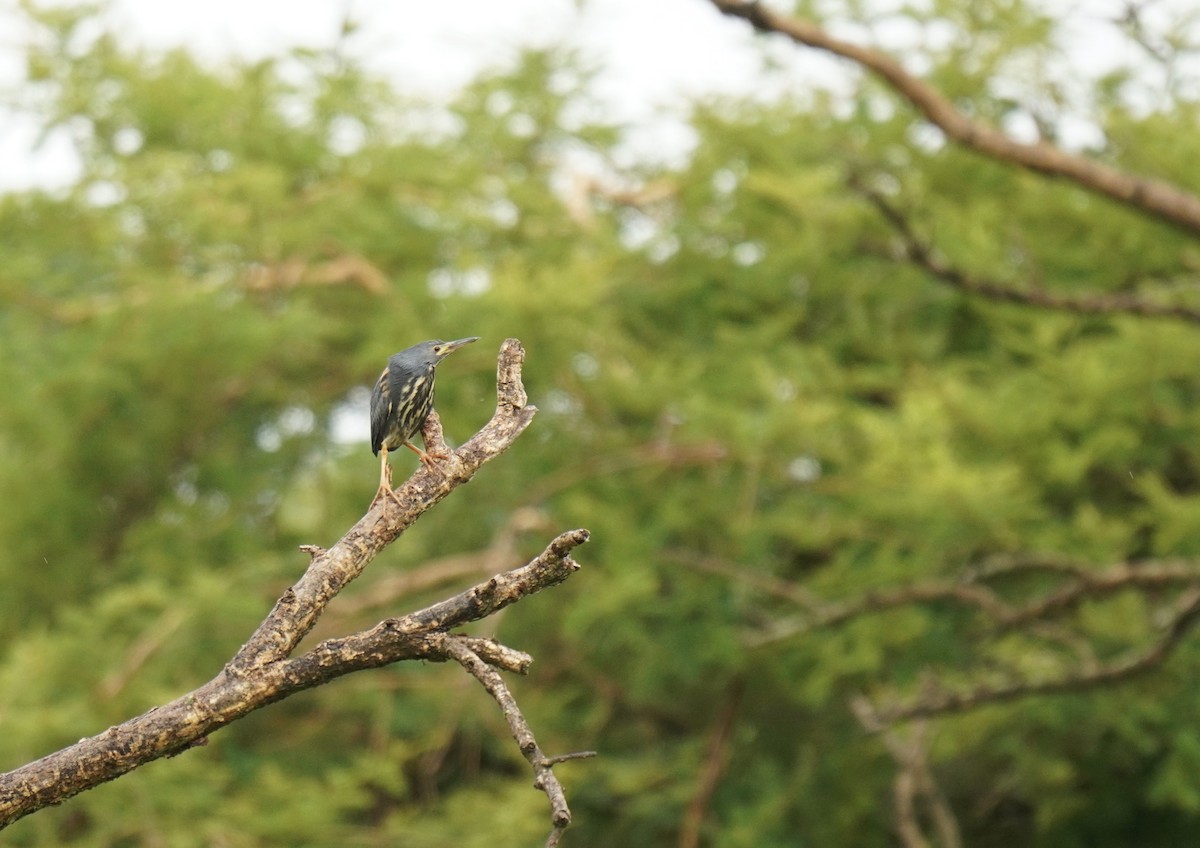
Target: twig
[(544, 778), (1081, 583), (835, 613), (774, 586), (1093, 584), (574, 755), (151, 641)]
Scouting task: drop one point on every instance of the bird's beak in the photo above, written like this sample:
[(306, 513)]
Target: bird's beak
[(448, 348)]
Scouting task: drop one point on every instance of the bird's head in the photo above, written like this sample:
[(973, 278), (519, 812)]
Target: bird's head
[(432, 352)]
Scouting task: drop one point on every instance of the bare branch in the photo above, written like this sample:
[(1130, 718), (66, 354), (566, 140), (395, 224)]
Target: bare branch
[(544, 778), (657, 453), (549, 568), (261, 671), (574, 755), (344, 269), (1080, 583), (1158, 199), (1037, 617), (834, 613)]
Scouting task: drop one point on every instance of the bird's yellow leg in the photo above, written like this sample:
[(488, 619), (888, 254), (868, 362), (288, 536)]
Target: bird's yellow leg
[(427, 457), (385, 478)]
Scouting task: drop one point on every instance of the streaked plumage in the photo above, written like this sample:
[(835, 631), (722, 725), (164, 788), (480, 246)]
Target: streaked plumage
[(402, 398)]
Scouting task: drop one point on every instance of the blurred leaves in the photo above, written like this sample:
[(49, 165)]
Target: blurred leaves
[(734, 367)]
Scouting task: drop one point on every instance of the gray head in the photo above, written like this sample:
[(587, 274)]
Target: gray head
[(427, 355)]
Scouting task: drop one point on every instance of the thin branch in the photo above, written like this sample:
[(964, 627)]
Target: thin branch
[(1133, 25), (1080, 583), (549, 568), (1086, 584), (1156, 198), (152, 639), (980, 597), (574, 755), (344, 269), (658, 453), (544, 777), (835, 613), (774, 586), (922, 254), (1037, 617)]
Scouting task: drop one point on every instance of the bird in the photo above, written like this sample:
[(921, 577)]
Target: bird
[(401, 401)]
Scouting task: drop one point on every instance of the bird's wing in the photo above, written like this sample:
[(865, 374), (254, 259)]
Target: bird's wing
[(381, 407)]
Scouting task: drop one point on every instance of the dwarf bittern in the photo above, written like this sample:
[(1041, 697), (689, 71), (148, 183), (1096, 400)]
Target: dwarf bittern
[(402, 399)]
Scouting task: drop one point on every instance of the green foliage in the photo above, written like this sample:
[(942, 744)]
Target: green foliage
[(740, 387)]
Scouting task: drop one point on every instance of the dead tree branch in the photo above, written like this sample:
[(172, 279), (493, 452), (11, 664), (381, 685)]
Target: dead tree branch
[(1156, 198), (264, 671), (544, 777)]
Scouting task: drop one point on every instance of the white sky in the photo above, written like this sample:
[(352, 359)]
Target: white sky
[(653, 53)]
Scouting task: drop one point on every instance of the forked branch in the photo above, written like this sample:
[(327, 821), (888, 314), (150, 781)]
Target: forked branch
[(264, 671)]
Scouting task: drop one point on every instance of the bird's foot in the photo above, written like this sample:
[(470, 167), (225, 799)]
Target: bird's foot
[(387, 491), (430, 460), (385, 486)]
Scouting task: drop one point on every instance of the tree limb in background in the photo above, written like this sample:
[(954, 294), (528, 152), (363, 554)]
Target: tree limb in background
[(922, 254), (969, 590), (716, 760), (1158, 199), (936, 703), (1038, 615), (264, 671), (914, 780)]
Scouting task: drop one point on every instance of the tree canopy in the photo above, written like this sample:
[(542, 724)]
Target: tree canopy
[(888, 444)]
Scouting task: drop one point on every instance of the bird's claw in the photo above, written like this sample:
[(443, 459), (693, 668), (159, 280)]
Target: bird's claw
[(430, 460), (385, 485), (390, 492)]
